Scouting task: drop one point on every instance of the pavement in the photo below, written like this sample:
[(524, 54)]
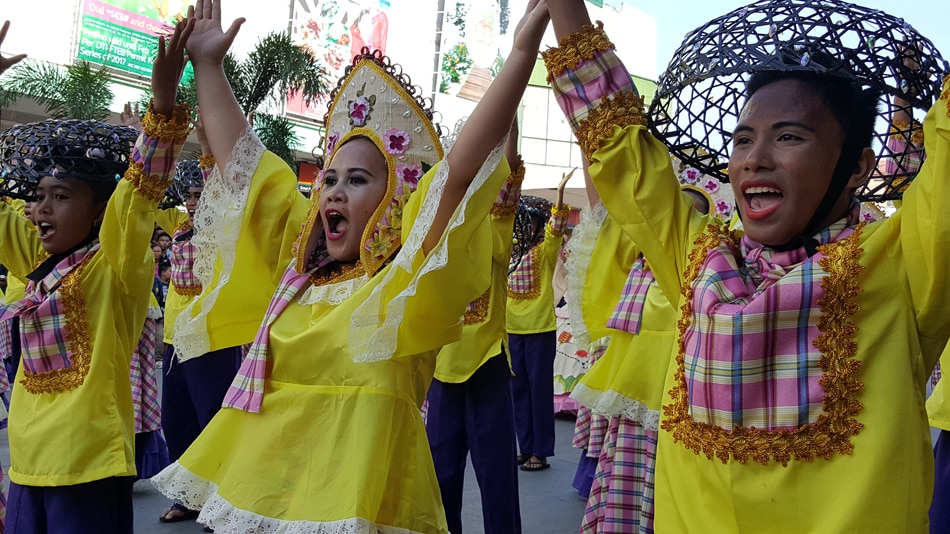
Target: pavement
[(549, 505)]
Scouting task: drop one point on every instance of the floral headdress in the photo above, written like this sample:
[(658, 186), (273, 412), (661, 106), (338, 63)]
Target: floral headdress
[(375, 100), (721, 201)]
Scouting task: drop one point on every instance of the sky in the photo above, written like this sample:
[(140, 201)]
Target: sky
[(674, 18)]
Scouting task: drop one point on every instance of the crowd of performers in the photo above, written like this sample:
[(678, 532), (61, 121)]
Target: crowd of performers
[(763, 356)]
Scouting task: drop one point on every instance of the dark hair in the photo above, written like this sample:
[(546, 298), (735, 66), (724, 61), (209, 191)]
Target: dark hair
[(853, 107), (101, 189)]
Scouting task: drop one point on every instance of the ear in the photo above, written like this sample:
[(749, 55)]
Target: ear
[(862, 171), (101, 212)]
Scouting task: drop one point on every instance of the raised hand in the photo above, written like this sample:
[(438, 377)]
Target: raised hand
[(128, 117), (7, 62), (531, 27), (560, 188), (168, 67), (208, 44)]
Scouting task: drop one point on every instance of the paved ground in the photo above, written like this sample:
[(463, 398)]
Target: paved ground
[(548, 503)]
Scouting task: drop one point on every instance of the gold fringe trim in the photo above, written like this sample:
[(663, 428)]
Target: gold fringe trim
[(831, 432), (150, 187), (174, 129), (479, 311), (182, 227), (206, 162), (77, 339), (576, 47), (507, 208), (187, 291), (900, 129), (343, 273), (624, 109)]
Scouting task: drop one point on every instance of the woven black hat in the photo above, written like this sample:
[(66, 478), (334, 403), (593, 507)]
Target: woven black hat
[(700, 94), (530, 219), (187, 175), (87, 150)]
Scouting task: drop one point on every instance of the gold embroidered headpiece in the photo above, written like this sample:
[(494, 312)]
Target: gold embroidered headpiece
[(375, 100)]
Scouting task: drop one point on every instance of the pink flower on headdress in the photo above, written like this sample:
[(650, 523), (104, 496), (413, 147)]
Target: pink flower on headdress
[(723, 208), (691, 175), (711, 185), (397, 141), (359, 110), (410, 174), (332, 140)]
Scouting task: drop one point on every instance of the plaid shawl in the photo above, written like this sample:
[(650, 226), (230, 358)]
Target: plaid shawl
[(45, 339), (750, 357), (183, 259), (629, 311)]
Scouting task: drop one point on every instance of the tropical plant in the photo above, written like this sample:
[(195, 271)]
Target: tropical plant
[(78, 91), (455, 64), (278, 135)]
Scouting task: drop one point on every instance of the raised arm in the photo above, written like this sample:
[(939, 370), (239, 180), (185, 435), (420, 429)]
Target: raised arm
[(224, 121), (491, 119)]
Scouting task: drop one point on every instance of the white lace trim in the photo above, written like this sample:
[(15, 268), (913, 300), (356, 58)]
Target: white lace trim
[(154, 313), (613, 404), (217, 228), (580, 250), (372, 340), (196, 493), (332, 294)]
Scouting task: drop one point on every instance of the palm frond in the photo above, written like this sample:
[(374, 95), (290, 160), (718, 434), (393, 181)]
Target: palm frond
[(277, 135), (75, 92)]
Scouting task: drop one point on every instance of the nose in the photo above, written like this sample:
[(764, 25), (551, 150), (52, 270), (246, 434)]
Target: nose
[(42, 206), (334, 193), (757, 157)]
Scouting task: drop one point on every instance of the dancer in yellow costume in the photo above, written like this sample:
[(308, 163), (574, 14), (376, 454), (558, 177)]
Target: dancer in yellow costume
[(322, 428), (853, 453)]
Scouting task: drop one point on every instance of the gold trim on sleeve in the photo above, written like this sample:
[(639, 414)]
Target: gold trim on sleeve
[(624, 109), (576, 47), (150, 187)]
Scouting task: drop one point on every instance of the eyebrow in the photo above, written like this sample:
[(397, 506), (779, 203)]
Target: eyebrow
[(351, 169), (776, 126)]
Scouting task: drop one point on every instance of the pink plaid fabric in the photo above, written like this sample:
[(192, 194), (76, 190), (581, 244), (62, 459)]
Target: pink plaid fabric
[(580, 90), (145, 403), (6, 350), (247, 390), (621, 497), (909, 157), (582, 426), (42, 323), (521, 280), (183, 260), (629, 310), (750, 358), (156, 156)]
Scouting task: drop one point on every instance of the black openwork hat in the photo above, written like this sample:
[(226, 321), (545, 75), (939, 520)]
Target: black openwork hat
[(700, 94), (187, 175), (530, 220), (83, 149)]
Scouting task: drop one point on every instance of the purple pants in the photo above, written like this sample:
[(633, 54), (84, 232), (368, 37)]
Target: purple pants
[(476, 416), (192, 393), (91, 508), (532, 387), (940, 506)]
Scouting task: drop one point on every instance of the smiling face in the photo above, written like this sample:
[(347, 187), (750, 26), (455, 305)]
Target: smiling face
[(353, 186), (191, 201), (784, 152), (65, 213)]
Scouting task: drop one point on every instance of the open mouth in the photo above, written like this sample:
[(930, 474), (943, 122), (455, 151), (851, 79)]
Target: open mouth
[(46, 230), (762, 201), (336, 225)]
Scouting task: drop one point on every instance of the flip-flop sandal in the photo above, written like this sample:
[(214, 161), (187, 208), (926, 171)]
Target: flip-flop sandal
[(522, 458), (539, 465), (183, 514)]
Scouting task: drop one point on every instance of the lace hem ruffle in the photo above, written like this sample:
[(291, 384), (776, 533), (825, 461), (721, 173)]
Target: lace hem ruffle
[(218, 221), (374, 340), (332, 294), (613, 404), (580, 250), (196, 493)]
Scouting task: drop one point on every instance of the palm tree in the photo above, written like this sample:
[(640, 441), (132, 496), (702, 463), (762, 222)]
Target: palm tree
[(77, 91)]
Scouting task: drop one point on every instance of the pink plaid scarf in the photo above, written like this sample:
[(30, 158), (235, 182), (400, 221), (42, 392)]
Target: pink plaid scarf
[(629, 311), (750, 357), (247, 390), (43, 331)]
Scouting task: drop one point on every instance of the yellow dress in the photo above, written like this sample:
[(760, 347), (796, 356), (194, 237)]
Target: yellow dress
[(340, 445), (532, 311), (890, 282)]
